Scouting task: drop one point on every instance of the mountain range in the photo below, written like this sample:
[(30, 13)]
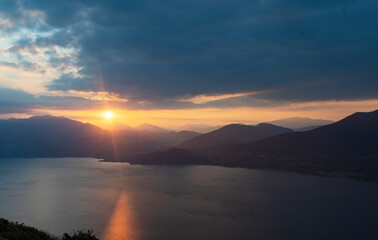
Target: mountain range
[(48, 136), (348, 147)]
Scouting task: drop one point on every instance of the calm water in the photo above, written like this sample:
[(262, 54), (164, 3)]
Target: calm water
[(184, 202)]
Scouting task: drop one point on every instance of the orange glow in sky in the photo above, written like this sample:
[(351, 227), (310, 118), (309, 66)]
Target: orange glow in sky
[(177, 118)]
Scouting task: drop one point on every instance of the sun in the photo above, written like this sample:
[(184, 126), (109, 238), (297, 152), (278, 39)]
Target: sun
[(108, 115)]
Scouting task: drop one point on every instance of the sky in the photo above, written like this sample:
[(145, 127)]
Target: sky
[(177, 62)]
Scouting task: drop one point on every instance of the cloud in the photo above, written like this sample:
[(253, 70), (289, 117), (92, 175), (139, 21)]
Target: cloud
[(200, 99), (17, 101), (155, 53)]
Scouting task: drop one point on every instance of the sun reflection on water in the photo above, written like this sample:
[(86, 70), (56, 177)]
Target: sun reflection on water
[(121, 223)]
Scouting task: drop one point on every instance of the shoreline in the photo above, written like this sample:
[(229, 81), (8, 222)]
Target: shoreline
[(352, 176)]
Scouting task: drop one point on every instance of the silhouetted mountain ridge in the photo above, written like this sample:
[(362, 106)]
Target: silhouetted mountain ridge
[(234, 133), (355, 134), (43, 135)]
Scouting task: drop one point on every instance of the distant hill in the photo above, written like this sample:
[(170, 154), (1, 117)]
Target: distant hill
[(164, 139), (178, 137), (119, 126), (234, 133), (300, 122), (149, 127), (346, 148), (201, 128)]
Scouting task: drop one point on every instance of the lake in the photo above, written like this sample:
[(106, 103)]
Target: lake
[(145, 202)]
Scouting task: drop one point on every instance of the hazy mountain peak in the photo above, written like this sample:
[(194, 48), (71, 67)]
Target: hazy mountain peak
[(300, 122), (150, 127), (263, 124), (201, 128)]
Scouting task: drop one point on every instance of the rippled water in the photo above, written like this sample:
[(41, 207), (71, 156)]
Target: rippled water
[(119, 201)]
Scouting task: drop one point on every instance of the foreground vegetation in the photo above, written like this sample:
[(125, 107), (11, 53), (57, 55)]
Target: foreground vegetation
[(18, 231)]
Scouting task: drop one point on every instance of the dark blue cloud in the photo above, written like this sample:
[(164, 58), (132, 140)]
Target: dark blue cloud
[(17, 101), (162, 50)]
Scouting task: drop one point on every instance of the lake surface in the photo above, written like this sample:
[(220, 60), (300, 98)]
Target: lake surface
[(121, 201)]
